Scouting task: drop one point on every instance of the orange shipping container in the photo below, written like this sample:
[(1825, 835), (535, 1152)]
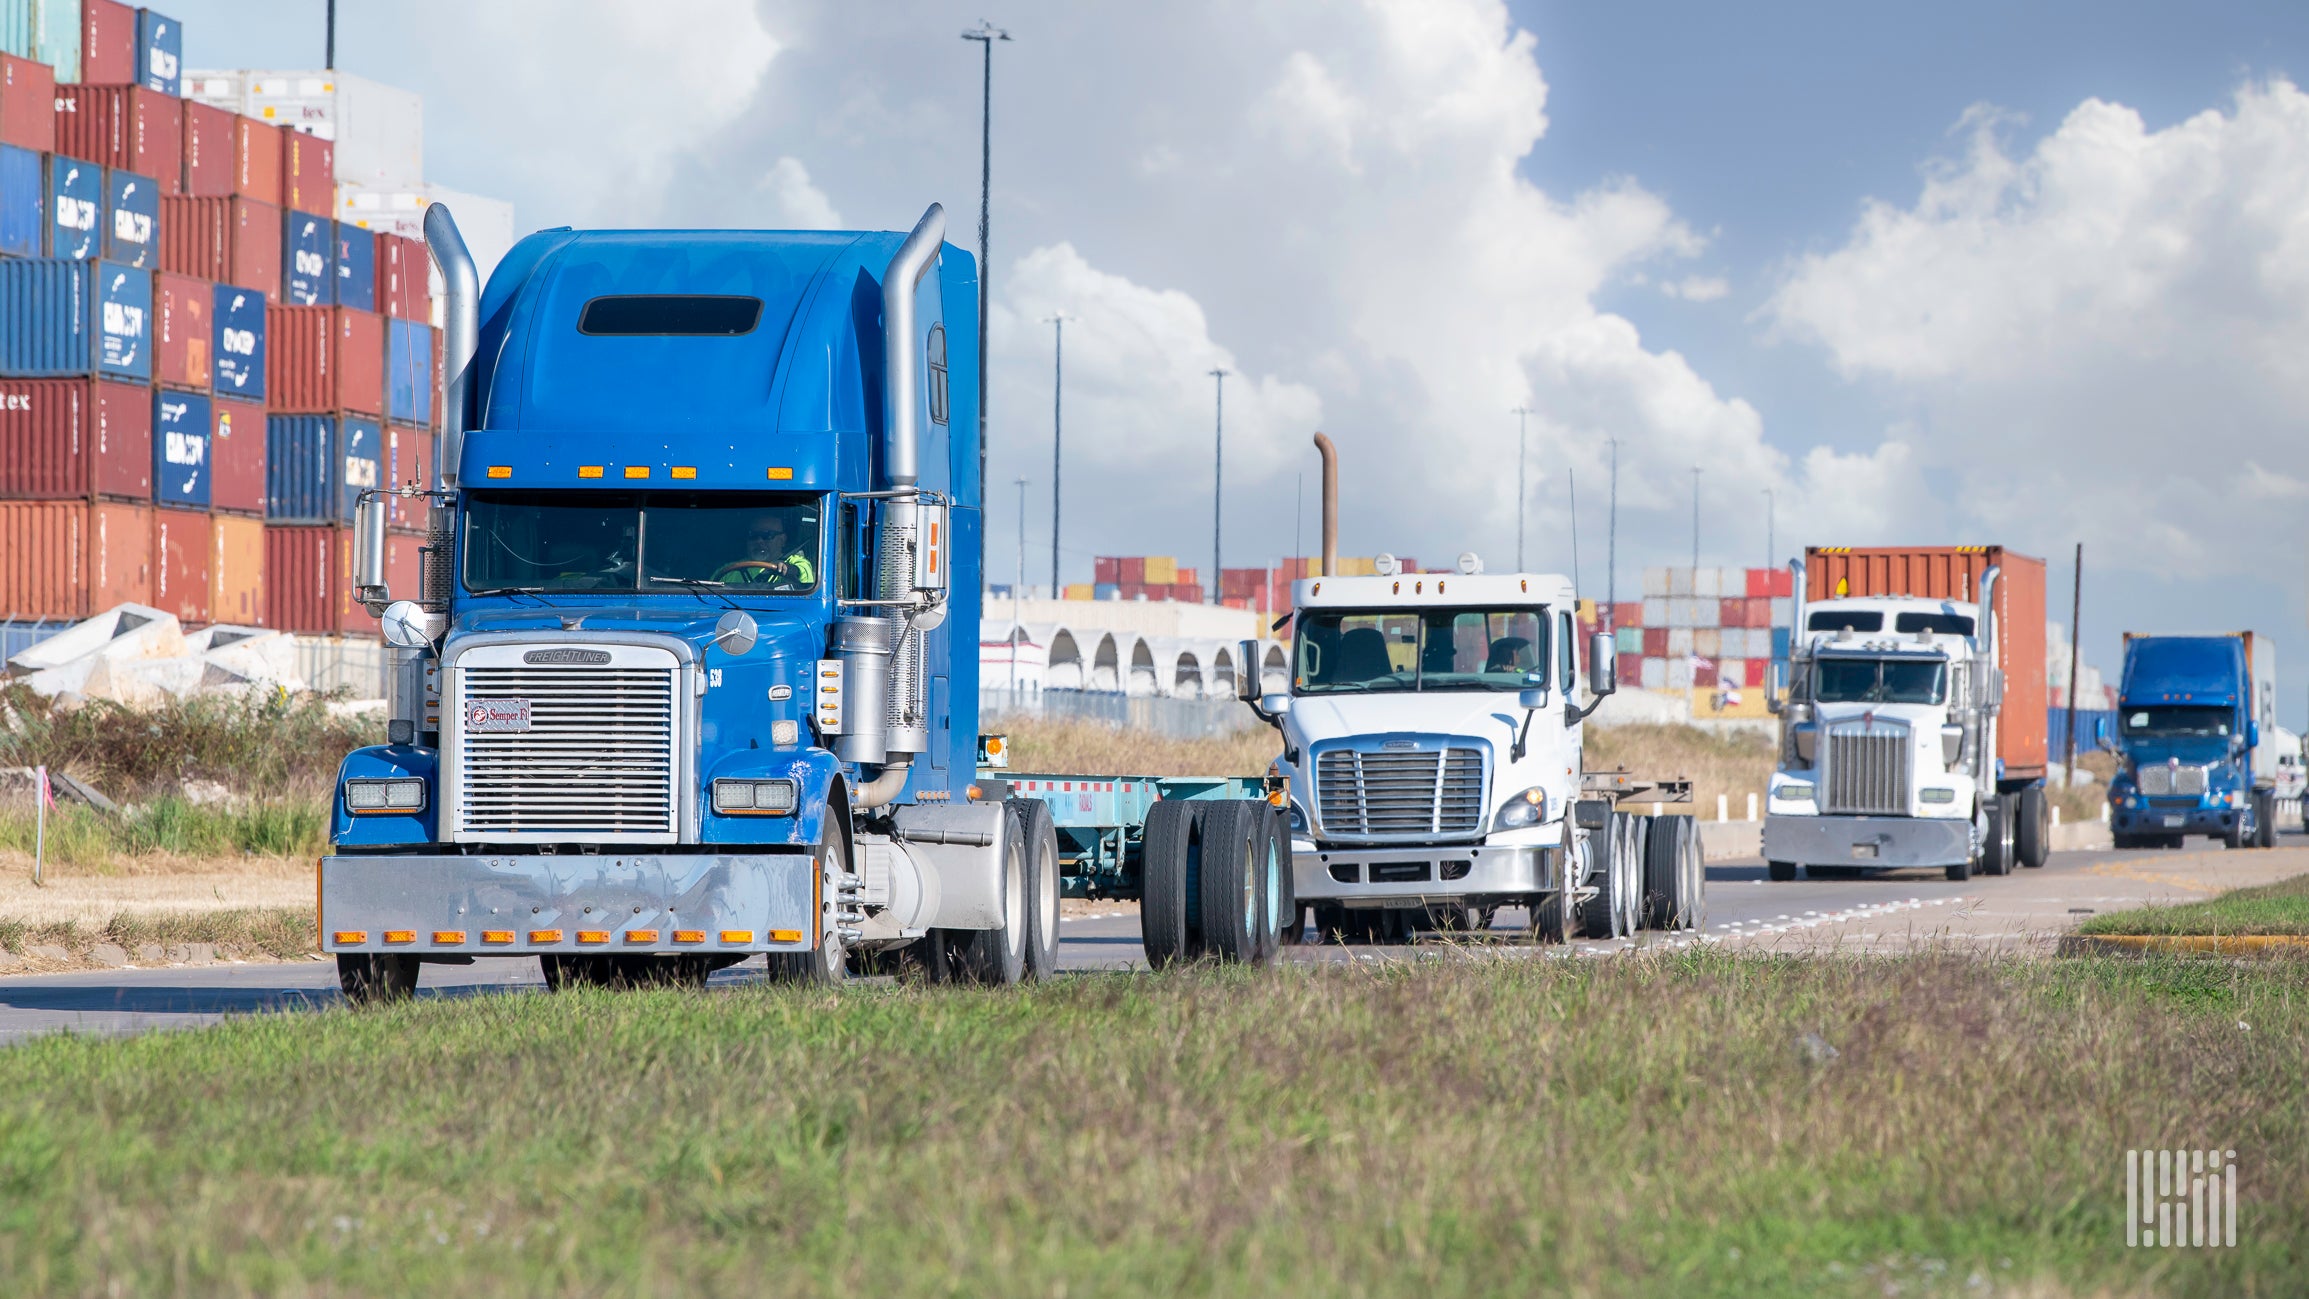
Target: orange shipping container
[(1953, 573), (68, 559), (236, 571), (182, 543)]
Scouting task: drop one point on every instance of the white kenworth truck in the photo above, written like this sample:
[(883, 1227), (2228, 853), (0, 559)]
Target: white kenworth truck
[(1432, 748), (1891, 752)]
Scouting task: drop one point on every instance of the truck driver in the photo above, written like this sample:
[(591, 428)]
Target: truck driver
[(772, 559)]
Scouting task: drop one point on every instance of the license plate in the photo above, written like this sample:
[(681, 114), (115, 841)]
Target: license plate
[(1863, 850), (496, 716), (2175, 822)]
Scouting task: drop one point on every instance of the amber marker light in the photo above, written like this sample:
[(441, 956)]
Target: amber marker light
[(689, 935), (641, 935), (637, 471), (589, 471), (345, 936), (781, 475), (785, 935), (449, 937), (593, 935), (545, 935), (400, 935), (737, 935), (500, 471), (497, 937), (685, 471)]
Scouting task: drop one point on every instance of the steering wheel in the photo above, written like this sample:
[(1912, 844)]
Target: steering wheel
[(750, 567)]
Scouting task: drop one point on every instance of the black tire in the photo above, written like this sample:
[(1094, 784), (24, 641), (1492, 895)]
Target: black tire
[(1294, 932), (1961, 870), (1780, 871), (1231, 839), (2032, 829), (374, 980), (1167, 905), (2264, 819), (1600, 916), (996, 958), (1547, 921), (2234, 837), (1831, 872), (825, 965), (1996, 847), (1672, 857), (1042, 886), (1283, 897)]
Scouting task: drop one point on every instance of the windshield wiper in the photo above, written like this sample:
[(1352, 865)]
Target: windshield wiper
[(700, 587), (508, 590)]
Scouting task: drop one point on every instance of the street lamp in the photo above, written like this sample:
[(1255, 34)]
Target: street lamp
[(1015, 589), (985, 34), (1218, 465)]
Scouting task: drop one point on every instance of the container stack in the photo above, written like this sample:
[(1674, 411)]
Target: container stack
[(200, 365), (1712, 632)]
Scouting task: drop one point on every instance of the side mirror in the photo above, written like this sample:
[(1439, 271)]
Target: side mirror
[(1275, 705), (1534, 697), (736, 633), (369, 552), (2252, 735), (1247, 671), (1603, 665)]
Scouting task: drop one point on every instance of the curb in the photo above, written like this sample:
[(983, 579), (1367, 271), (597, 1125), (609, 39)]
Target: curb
[(2239, 945)]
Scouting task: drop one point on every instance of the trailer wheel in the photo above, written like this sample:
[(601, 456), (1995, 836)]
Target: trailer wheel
[(1605, 915), (1780, 871), (1231, 870), (371, 980), (1673, 859), (2264, 819), (1996, 843), (1042, 886), (2032, 828), (825, 964), (1167, 905)]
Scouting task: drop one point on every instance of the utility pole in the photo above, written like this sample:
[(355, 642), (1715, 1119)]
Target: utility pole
[(1016, 589), (1218, 466), (1611, 559), (1768, 547), (329, 53), (2076, 605), (1695, 519), (1522, 492), (985, 34), (1057, 390)]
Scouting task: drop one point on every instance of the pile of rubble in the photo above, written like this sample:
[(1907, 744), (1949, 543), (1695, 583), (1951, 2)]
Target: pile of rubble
[(138, 656)]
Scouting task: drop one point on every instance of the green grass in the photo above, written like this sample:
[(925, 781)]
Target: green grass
[(81, 835), (2280, 908), (268, 749), (282, 933), (1645, 1126)]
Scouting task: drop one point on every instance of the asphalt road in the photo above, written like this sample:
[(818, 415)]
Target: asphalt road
[(1876, 913)]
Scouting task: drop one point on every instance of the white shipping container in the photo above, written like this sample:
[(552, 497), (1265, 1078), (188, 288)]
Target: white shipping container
[(1679, 674), (1655, 611), (1708, 583), (1655, 581), (1783, 608), (1655, 674), (1707, 642), (1679, 581), (1732, 672), (225, 90), (1679, 641), (379, 130)]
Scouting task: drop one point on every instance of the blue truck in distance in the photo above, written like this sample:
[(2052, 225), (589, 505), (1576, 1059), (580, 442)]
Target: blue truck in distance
[(2197, 732), (692, 672)]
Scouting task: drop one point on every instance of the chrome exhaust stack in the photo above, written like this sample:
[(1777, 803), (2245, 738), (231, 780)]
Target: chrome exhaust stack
[(460, 335)]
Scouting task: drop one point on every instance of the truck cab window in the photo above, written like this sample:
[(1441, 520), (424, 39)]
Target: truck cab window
[(1838, 680), (1857, 620), (2206, 723), (1938, 624), (627, 542), (1344, 651)]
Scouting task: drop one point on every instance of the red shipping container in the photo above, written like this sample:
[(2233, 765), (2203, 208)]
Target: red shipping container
[(1759, 611), (256, 160), (72, 439), (236, 457), (107, 44), (402, 267), (1186, 592), (183, 329), (1783, 584), (182, 543), (1703, 671), (1106, 570), (1759, 672), (1953, 573), (308, 174), (208, 151), (1732, 612), (1133, 569), (408, 463), (320, 360), (232, 240), (236, 571), (69, 559), (1631, 671), (1655, 642), (1757, 581), (307, 578), (127, 127), (27, 104)]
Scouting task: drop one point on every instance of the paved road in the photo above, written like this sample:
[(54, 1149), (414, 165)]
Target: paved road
[(1879, 912)]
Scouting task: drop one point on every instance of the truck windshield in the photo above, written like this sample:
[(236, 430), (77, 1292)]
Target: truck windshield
[(2144, 723), (1879, 681), (1342, 651), (564, 542)]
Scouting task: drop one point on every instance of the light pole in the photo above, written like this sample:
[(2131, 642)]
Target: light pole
[(1522, 492), (985, 34), (1057, 391), (1218, 467), (1015, 589)]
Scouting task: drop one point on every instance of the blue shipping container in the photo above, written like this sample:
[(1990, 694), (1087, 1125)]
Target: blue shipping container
[(300, 484), (132, 219), (180, 434), (159, 52), (408, 372), (356, 267), (307, 277), (23, 198), (75, 202), (64, 318), (1779, 642), (239, 343)]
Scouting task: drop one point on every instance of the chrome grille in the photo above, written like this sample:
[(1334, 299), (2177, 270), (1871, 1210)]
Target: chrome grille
[(2163, 780), (1867, 770), (598, 760), (1362, 795)]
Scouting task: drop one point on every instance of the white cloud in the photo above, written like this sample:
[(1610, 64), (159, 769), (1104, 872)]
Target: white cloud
[(797, 203), (2103, 337), (1697, 288)]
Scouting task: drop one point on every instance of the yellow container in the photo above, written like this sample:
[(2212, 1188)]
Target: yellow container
[(236, 572), (1710, 702), (1161, 570), (1079, 591)]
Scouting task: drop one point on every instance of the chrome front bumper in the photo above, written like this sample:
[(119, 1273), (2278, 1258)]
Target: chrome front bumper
[(527, 905), (1867, 840), (1418, 873)]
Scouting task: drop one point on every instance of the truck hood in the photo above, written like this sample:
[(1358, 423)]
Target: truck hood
[(1913, 716), (779, 637), (2192, 750), (1486, 715)]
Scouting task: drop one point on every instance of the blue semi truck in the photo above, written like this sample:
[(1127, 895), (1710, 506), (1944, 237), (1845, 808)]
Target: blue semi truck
[(691, 674), (2197, 732)]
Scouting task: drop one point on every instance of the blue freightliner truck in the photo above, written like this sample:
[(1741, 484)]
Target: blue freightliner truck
[(691, 674), (2197, 732)]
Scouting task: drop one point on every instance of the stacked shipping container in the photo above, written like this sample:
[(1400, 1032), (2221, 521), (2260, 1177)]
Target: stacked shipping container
[(200, 368)]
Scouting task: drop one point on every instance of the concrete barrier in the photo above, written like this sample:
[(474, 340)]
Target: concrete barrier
[(2081, 836), (1727, 840)]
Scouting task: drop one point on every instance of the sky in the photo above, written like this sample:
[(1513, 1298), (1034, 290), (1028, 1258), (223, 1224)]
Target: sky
[(1954, 274)]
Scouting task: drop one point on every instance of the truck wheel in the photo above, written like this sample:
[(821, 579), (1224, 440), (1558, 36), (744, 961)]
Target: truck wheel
[(996, 958), (1780, 871), (2264, 820), (1167, 905), (1042, 886), (1604, 916), (1996, 842), (1282, 902), (1547, 920), (370, 980), (1672, 857), (824, 965), (2032, 828), (2235, 836), (1231, 869), (1961, 871)]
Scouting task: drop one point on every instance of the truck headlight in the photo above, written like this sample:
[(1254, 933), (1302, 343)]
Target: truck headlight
[(1794, 791), (754, 797), (1526, 808), (1938, 796), (401, 794)]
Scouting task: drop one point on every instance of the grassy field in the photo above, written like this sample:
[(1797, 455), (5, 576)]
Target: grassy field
[(1087, 748), (2280, 908), (1733, 764), (1685, 1125)]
